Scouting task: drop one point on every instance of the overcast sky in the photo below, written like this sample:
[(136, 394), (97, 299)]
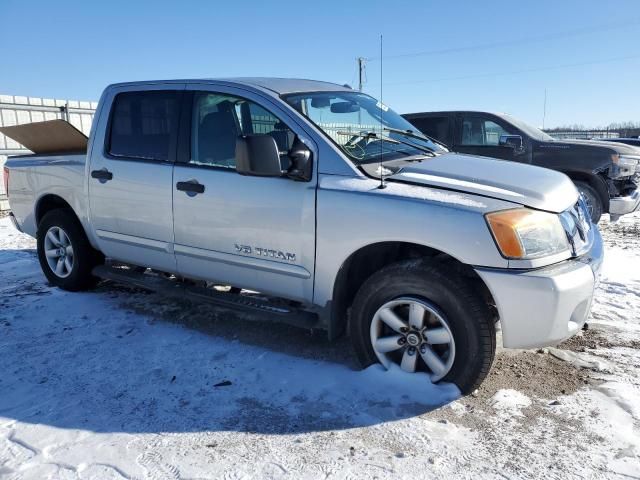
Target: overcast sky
[(491, 55)]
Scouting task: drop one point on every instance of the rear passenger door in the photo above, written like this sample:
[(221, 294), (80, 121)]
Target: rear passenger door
[(131, 172), (436, 126), (251, 232), (479, 134)]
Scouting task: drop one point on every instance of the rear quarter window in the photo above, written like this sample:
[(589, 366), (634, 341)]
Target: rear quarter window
[(144, 125)]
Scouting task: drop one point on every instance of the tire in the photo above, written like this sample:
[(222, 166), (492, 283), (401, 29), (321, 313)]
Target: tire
[(449, 298), (60, 230), (592, 199)]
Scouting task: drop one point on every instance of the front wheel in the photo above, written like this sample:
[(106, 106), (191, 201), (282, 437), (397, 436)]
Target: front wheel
[(64, 252), (591, 199), (424, 318)]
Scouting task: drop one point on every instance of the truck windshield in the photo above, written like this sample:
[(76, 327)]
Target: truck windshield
[(529, 130), (362, 126)]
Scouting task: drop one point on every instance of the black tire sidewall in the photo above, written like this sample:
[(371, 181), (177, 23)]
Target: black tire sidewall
[(590, 192), (84, 257), (466, 314)]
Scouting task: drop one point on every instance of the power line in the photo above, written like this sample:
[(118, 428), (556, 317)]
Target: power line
[(517, 72), (532, 39)]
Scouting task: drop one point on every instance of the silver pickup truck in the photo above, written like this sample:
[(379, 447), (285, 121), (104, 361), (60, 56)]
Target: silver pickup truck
[(318, 205)]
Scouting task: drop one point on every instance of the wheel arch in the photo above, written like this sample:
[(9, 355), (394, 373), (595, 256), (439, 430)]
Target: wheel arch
[(49, 202), (594, 180), (367, 260)]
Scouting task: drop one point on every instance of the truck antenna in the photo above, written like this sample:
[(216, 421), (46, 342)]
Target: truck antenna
[(382, 184)]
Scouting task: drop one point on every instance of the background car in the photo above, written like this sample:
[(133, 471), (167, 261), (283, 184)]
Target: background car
[(605, 173)]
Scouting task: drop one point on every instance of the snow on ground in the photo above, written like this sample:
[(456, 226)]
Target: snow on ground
[(118, 383)]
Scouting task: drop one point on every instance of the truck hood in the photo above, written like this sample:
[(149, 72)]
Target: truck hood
[(613, 147), (527, 185)]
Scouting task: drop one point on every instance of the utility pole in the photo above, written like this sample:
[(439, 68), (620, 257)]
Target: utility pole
[(544, 108), (361, 61)]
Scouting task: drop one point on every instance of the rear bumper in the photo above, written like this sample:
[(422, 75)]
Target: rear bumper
[(624, 205), (545, 306)]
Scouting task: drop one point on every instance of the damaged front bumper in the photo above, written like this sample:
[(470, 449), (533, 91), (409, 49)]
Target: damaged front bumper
[(544, 306), (624, 205)]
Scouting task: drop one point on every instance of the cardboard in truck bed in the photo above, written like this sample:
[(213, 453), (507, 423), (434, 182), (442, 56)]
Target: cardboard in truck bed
[(52, 136)]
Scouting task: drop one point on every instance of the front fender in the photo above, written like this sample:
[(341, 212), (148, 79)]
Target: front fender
[(352, 212)]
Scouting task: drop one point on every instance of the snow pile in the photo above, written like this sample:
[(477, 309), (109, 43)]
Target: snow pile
[(86, 378), (580, 360), (508, 402)]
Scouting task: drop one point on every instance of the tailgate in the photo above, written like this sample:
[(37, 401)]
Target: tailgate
[(50, 137)]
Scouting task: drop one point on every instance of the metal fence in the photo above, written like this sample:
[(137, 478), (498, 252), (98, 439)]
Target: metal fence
[(16, 110), (583, 134), (341, 132)]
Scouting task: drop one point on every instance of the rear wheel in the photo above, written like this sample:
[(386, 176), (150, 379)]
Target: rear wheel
[(423, 318), (64, 252), (591, 199)]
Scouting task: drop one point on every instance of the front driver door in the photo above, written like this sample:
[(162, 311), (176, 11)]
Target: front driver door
[(256, 233), (480, 135)]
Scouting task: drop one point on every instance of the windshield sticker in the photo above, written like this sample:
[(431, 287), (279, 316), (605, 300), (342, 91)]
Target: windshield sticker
[(382, 106)]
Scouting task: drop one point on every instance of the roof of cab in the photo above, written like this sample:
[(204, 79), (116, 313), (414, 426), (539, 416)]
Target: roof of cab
[(280, 86), (283, 86)]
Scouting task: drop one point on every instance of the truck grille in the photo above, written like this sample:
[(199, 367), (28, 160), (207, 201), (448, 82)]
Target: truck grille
[(578, 227)]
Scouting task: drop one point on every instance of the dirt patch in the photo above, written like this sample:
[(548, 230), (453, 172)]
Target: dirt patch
[(593, 339), (588, 339), (545, 380), (537, 375), (623, 234), (4, 213)]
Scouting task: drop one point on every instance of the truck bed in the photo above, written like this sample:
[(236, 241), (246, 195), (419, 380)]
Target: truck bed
[(33, 176)]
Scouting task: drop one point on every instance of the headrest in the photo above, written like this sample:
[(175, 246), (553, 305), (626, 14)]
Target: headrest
[(218, 120)]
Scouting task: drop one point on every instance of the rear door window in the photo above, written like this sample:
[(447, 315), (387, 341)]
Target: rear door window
[(435, 127), (144, 125)]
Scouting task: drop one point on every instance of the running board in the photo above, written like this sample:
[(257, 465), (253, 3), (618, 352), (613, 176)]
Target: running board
[(180, 290)]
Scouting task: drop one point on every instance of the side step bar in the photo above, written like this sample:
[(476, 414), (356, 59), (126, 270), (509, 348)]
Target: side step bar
[(176, 289)]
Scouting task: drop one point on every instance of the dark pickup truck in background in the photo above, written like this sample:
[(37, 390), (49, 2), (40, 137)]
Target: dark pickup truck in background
[(606, 173), (629, 141)]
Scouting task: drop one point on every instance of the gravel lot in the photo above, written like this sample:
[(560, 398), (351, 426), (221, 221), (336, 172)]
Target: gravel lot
[(119, 383)]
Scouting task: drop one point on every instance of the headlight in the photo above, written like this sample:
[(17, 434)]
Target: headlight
[(527, 234), (626, 165)]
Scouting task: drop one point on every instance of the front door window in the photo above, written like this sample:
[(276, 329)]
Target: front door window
[(219, 119), (477, 131)]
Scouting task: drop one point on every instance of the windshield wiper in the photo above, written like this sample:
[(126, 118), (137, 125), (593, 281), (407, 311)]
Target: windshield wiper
[(412, 134), (366, 134)]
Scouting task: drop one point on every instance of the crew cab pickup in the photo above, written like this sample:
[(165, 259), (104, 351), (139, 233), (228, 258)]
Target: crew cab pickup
[(315, 204), (607, 174)]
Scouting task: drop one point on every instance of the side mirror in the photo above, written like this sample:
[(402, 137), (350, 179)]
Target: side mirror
[(258, 155), (301, 161), (513, 141)]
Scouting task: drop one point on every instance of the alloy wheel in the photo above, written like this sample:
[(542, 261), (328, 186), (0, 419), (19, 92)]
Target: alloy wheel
[(413, 334), (59, 252)]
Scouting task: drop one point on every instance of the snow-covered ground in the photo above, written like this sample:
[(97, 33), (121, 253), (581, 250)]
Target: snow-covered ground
[(118, 383)]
